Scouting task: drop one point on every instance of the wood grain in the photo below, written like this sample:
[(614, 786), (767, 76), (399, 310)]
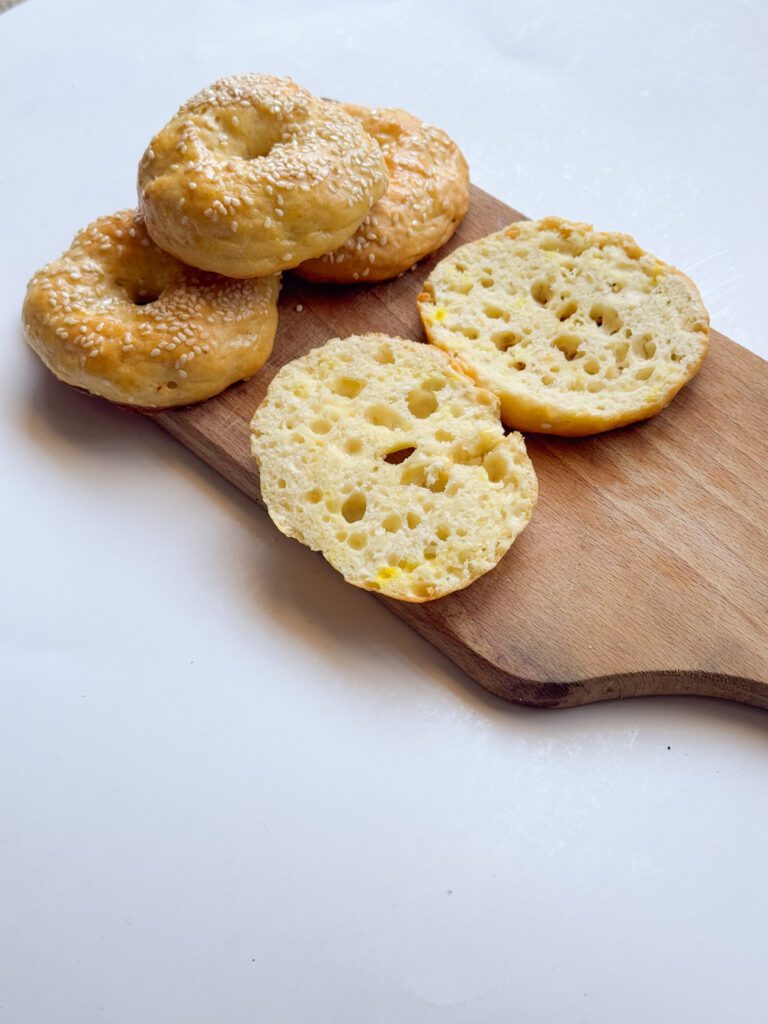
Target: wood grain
[(645, 567)]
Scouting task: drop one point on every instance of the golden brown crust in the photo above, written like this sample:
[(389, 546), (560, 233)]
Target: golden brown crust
[(119, 317), (425, 201), (255, 174)]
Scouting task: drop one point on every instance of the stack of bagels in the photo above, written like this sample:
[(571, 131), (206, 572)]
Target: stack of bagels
[(388, 455)]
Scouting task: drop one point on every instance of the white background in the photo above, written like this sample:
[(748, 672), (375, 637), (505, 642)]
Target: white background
[(234, 789)]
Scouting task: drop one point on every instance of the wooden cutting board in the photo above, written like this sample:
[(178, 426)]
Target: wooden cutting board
[(645, 567)]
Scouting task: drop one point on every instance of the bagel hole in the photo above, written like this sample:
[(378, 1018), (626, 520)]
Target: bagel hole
[(140, 293)]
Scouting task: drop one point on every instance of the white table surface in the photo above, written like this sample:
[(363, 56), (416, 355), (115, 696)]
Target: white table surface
[(233, 789)]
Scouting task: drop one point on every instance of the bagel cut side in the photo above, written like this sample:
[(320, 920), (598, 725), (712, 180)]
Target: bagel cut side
[(378, 453), (577, 331)]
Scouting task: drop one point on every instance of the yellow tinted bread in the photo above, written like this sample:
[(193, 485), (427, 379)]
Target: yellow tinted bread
[(576, 330), (255, 174), (123, 319), (427, 196), (375, 451)]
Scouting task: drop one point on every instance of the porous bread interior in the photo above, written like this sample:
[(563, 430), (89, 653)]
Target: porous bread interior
[(575, 330), (377, 452)]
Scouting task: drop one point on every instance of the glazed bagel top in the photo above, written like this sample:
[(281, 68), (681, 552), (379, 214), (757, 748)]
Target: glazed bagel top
[(427, 196), (255, 174), (121, 318)]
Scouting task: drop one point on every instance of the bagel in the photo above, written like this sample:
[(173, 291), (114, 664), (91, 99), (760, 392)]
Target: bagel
[(255, 174), (427, 196), (577, 331), (377, 452), (122, 319)]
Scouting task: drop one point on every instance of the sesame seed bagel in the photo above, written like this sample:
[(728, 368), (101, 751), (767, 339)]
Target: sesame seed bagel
[(255, 174), (576, 330), (379, 453), (122, 319), (427, 196)]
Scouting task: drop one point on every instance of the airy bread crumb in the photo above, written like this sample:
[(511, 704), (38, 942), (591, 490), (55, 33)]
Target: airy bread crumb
[(577, 331), (379, 453)]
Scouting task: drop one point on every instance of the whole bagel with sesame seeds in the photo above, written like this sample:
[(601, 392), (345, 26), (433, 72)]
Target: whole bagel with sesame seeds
[(119, 317), (425, 201), (255, 174)]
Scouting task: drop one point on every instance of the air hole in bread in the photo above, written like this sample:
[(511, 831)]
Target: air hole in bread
[(547, 380), (422, 590), (392, 523), (281, 484), (496, 466), (591, 365), (504, 340), (443, 532), (384, 416), (519, 364), (594, 386), (432, 478), (357, 541), (486, 282), (567, 310), (384, 355), (464, 288), (354, 507), (434, 383), (461, 267), (347, 387), (569, 345), (413, 520), (541, 292), (314, 496), (398, 455), (644, 373), (320, 426), (354, 445), (443, 435), (621, 353), (493, 312), (471, 333), (606, 317), (676, 357), (421, 403)]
